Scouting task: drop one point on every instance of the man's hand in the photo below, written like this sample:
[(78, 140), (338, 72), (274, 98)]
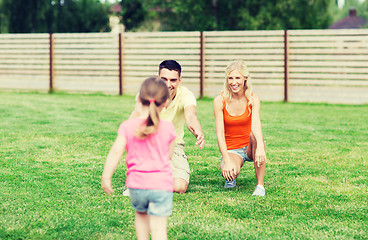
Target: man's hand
[(199, 136), (193, 125)]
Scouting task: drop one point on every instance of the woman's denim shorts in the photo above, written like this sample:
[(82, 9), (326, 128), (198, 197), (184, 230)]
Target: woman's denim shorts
[(154, 202), (242, 152)]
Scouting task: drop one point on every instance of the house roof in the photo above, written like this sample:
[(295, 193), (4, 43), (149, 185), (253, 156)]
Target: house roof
[(351, 21)]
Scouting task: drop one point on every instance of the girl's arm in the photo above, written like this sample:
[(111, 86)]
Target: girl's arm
[(229, 169), (171, 149), (112, 161), (260, 154)]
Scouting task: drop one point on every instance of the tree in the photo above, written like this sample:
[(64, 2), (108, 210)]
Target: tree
[(26, 16), (208, 15), (363, 11), (3, 18), (41, 16), (81, 16), (133, 14)]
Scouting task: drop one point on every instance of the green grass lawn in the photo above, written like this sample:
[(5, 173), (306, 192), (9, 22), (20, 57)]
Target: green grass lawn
[(53, 148)]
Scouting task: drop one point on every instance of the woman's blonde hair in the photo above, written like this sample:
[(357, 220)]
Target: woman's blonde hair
[(242, 68), (153, 93)]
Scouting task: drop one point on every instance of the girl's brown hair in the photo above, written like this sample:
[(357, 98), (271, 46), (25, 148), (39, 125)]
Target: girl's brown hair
[(153, 93)]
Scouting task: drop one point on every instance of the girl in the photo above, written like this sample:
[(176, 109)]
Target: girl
[(149, 143), (238, 127)]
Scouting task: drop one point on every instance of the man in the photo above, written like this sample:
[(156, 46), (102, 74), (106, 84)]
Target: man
[(180, 111)]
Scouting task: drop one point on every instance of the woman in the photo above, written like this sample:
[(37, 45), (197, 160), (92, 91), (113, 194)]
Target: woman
[(238, 127)]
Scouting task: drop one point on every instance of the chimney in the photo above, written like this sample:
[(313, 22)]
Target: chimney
[(352, 12)]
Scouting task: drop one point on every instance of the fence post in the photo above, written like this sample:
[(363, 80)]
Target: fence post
[(51, 63), (286, 66), (120, 66), (201, 65)]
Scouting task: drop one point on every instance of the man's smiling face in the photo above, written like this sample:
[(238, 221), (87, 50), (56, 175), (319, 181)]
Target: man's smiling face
[(172, 80)]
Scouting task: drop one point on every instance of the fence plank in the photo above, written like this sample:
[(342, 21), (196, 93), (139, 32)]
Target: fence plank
[(244, 33), (324, 32), (245, 39), (22, 47), (343, 64), (332, 76), (29, 51), (161, 46), (328, 38), (346, 58), (155, 58), (161, 51), (86, 61), (333, 45), (20, 71), (245, 51), (319, 82), (231, 57), (325, 69), (28, 36), (82, 51), (23, 61), (335, 51), (228, 45), (160, 40)]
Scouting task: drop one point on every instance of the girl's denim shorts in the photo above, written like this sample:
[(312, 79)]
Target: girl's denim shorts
[(154, 202)]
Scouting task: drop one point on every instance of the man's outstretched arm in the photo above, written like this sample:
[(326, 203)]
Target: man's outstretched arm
[(193, 124)]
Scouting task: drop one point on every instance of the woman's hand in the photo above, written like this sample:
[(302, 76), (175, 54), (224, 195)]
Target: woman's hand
[(260, 156), (230, 171)]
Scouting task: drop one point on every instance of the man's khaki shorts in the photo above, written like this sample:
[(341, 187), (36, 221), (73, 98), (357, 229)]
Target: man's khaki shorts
[(179, 163)]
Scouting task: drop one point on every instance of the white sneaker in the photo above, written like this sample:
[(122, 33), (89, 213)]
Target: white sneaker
[(259, 191), (126, 193)]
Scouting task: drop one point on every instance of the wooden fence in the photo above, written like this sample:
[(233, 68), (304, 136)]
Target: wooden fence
[(296, 65)]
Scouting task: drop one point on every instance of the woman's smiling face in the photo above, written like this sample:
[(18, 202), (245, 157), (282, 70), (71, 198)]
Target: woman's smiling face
[(236, 81)]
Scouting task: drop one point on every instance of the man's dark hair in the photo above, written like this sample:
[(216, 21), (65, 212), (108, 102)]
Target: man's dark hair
[(172, 65)]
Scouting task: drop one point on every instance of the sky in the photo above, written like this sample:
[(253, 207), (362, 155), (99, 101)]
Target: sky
[(341, 2), (110, 1)]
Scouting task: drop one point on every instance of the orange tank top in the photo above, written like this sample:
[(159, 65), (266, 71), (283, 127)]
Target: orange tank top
[(237, 128)]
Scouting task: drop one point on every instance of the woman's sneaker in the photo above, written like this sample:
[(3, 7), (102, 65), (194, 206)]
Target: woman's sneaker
[(230, 184), (259, 191)]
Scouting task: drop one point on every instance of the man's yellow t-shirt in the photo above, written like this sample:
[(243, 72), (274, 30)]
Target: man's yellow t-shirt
[(175, 111)]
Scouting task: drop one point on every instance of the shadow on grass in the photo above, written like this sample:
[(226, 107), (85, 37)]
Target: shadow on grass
[(12, 234), (208, 181)]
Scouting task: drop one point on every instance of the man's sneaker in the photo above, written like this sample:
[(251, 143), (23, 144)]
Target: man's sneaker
[(259, 191), (230, 184), (126, 193)]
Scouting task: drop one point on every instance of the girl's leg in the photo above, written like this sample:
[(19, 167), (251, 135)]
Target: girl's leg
[(142, 228), (158, 226), (251, 150)]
